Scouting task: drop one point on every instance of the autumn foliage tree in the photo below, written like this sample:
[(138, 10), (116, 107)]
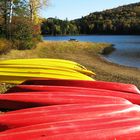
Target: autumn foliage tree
[(20, 22), (34, 7)]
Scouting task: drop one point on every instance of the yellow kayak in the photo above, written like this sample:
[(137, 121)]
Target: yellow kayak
[(19, 70), (32, 68), (36, 69), (44, 64), (18, 77), (40, 61)]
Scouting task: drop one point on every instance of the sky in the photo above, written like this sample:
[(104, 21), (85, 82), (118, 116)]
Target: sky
[(73, 9)]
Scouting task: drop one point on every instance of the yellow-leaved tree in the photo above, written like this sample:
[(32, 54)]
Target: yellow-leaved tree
[(34, 7)]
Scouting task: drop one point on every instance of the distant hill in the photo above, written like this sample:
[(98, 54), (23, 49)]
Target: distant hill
[(121, 20)]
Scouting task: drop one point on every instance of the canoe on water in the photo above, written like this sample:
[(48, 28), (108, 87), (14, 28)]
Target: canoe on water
[(19, 101), (57, 113), (75, 91), (85, 83), (44, 64)]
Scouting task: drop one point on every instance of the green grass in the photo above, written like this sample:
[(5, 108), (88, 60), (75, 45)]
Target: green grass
[(85, 53)]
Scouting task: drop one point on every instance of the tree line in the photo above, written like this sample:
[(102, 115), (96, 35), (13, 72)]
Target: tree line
[(20, 22), (121, 20)]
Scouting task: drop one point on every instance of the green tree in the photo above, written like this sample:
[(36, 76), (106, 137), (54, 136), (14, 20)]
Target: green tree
[(22, 31)]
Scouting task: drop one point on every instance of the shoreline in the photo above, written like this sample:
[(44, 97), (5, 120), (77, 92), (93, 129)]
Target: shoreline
[(85, 53), (119, 65), (92, 35), (109, 52), (130, 58), (112, 48), (119, 73)]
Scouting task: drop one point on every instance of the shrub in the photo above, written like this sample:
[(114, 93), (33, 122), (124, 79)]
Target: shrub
[(5, 46), (24, 35), (108, 50)]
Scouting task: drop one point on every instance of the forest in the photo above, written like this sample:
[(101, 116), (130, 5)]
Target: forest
[(20, 24), (121, 20)]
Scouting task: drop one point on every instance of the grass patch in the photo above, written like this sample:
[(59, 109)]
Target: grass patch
[(5, 46), (66, 49), (4, 87), (85, 53)]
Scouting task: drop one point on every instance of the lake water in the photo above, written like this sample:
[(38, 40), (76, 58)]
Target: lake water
[(127, 47)]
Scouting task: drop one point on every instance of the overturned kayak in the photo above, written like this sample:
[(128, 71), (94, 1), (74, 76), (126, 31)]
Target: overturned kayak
[(35, 69), (40, 68), (130, 132), (57, 113), (68, 107), (86, 83), (19, 77), (18, 70), (25, 100), (48, 130), (43, 63), (74, 91)]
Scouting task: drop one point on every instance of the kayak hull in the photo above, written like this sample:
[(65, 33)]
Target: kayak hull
[(64, 90), (25, 100), (87, 84), (52, 130), (70, 112)]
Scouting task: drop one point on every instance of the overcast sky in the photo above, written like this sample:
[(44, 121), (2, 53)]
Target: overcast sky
[(73, 9)]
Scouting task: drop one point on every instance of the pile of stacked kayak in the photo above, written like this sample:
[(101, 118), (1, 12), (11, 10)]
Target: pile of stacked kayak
[(19, 70), (47, 108)]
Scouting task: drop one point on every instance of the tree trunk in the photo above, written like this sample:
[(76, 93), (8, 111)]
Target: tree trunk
[(10, 18), (11, 11), (5, 19)]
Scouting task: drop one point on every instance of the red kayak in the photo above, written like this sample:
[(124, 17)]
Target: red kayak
[(25, 100), (55, 108), (61, 125), (73, 127), (117, 133), (31, 117), (64, 90), (83, 83)]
